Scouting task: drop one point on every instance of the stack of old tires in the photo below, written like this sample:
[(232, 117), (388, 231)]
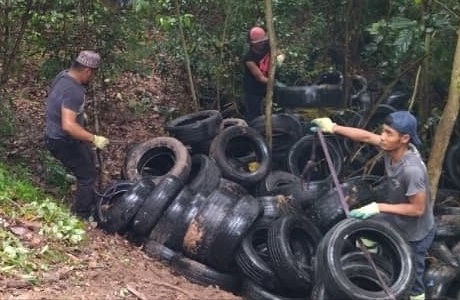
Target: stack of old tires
[(210, 201)]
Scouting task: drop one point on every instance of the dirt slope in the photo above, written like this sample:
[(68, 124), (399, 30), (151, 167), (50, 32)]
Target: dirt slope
[(112, 268), (131, 111)]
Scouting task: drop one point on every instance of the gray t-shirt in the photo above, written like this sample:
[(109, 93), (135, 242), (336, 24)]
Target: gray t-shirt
[(64, 92), (406, 178)]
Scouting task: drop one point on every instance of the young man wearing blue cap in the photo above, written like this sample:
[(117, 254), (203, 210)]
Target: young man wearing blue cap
[(65, 134), (408, 205)]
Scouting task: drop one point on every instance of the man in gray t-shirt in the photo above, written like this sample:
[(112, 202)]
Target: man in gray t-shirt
[(408, 205), (65, 135)]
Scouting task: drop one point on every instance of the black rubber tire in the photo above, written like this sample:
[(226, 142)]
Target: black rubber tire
[(441, 251), (300, 154), (157, 202), (252, 291), (319, 292), (110, 195), (440, 276), (176, 232), (204, 227), (452, 163), (172, 218), (447, 226), (292, 243), (328, 209), (195, 127), (304, 193), (447, 197), (286, 131), (121, 212), (281, 123), (231, 232), (384, 265), (253, 259), (231, 187), (158, 157), (159, 251), (393, 244), (201, 274), (204, 176), (279, 205), (227, 122), (232, 137), (349, 118), (378, 117), (274, 182)]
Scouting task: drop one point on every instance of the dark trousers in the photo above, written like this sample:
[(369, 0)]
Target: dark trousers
[(420, 250), (253, 106), (78, 158)]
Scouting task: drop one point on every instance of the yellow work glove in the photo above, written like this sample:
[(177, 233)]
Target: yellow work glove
[(366, 211), (325, 124), (100, 142)]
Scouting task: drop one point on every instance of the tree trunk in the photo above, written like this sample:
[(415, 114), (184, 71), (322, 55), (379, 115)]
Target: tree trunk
[(271, 73), (446, 124), (186, 58)]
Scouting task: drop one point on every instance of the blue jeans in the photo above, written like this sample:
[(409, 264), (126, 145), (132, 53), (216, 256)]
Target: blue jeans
[(420, 250), (78, 158)]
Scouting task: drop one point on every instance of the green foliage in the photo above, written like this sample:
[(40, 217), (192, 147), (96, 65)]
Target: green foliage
[(19, 199), (53, 172)]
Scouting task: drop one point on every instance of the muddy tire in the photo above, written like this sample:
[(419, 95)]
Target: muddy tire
[(204, 227), (158, 157), (174, 214), (173, 225)]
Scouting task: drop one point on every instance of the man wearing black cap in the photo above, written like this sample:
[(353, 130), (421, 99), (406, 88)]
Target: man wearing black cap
[(408, 205), (65, 135)]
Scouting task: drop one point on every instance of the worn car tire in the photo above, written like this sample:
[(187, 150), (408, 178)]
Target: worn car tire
[(158, 157), (235, 136), (156, 203), (195, 127)]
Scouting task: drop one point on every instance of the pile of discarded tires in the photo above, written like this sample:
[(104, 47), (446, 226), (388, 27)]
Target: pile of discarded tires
[(221, 209)]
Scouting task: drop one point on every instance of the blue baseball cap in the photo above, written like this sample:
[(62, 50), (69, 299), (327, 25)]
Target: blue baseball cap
[(404, 122)]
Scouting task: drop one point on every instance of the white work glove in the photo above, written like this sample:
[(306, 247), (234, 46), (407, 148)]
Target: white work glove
[(366, 211), (325, 124), (100, 142)]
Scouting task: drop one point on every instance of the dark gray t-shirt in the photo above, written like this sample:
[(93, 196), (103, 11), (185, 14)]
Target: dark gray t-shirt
[(68, 93), (406, 178)]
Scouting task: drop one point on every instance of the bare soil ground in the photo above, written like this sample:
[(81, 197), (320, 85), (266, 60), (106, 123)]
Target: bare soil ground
[(108, 267)]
